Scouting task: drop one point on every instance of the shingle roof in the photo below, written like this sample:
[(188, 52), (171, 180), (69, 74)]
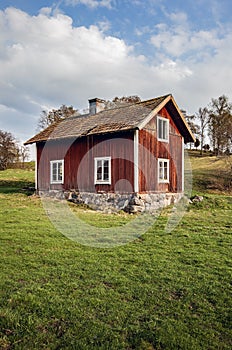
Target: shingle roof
[(125, 117)]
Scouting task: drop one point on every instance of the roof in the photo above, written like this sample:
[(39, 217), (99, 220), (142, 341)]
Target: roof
[(126, 117)]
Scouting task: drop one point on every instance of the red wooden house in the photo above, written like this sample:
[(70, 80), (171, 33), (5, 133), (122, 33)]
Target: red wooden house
[(136, 148)]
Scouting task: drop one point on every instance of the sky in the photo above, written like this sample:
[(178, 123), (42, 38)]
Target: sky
[(66, 52)]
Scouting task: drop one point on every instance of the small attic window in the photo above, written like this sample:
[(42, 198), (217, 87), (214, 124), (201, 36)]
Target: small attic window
[(162, 129)]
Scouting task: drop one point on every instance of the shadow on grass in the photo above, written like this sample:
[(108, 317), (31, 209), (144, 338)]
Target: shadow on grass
[(9, 186)]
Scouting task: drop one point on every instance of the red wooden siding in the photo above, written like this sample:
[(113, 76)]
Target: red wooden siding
[(79, 162), (151, 149), (79, 157)]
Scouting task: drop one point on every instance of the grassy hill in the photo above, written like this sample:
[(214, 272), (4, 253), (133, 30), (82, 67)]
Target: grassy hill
[(164, 290), (16, 180), (211, 174)]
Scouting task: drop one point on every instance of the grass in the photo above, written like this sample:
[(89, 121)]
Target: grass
[(16, 180), (161, 291), (211, 174)]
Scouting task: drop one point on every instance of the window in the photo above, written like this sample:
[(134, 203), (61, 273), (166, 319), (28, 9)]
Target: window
[(162, 129), (102, 170), (163, 170), (57, 171)]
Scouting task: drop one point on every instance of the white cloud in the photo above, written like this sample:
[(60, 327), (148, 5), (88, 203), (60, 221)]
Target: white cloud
[(177, 39), (91, 3), (104, 25), (45, 11), (180, 18), (143, 30), (46, 61)]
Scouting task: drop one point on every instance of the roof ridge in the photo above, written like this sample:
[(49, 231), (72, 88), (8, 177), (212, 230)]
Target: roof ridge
[(119, 107), (153, 99), (134, 103)]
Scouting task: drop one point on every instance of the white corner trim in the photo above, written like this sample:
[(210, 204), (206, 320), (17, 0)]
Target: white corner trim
[(136, 161), (36, 167), (182, 164)]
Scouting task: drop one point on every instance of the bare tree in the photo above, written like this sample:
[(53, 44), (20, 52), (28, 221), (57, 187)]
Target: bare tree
[(193, 126), (119, 101), (228, 179), (220, 124), (197, 143), (203, 117), (9, 151), (24, 154), (49, 117)]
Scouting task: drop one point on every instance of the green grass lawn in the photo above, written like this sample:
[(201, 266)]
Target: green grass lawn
[(161, 291)]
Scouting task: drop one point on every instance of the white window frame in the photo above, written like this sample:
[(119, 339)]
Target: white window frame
[(52, 181), (162, 161), (102, 181), (166, 121)]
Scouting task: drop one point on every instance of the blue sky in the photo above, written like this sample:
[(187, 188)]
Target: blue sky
[(65, 52)]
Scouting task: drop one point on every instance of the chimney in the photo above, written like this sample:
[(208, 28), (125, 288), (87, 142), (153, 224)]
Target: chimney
[(96, 105)]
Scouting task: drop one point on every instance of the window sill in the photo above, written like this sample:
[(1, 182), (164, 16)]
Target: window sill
[(102, 183), (163, 140)]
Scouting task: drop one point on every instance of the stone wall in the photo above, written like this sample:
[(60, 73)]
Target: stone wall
[(113, 202), (106, 202), (150, 202)]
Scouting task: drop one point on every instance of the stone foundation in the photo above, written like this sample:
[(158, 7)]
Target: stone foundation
[(113, 202), (150, 202)]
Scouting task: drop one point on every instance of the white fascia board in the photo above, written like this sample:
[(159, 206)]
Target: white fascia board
[(136, 161), (36, 167), (183, 164)]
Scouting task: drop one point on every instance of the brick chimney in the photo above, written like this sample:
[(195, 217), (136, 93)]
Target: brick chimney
[(96, 105)]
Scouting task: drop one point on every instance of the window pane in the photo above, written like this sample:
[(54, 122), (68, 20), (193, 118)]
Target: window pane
[(160, 170), (165, 171), (99, 170), (106, 170), (164, 130), (160, 128), (54, 171), (60, 172)]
